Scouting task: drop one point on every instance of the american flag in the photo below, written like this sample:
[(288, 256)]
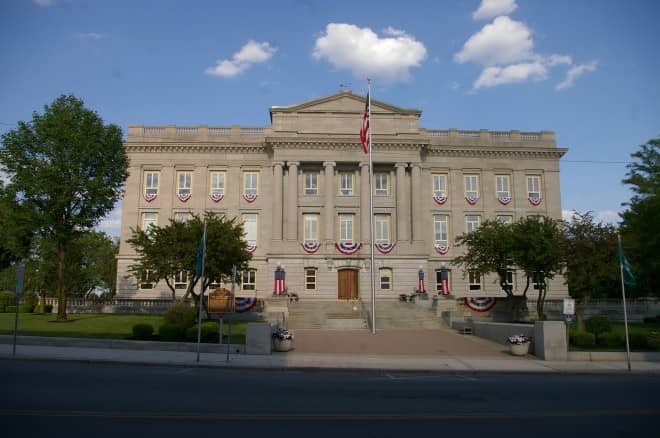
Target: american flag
[(364, 131), (444, 282), (280, 286), (420, 282)]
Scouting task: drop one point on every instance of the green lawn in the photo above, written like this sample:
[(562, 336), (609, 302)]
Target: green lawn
[(651, 331), (101, 326)]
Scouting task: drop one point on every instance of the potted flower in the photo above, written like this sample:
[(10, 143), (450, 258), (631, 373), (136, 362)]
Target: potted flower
[(282, 340), (519, 344)]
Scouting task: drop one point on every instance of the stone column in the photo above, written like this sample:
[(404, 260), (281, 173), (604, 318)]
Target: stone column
[(415, 196), (402, 204), (292, 196), (329, 192), (278, 208), (364, 202)]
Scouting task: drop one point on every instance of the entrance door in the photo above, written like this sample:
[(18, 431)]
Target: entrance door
[(348, 284)]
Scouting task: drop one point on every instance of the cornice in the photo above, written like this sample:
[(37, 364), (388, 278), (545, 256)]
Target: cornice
[(254, 148), (496, 152)]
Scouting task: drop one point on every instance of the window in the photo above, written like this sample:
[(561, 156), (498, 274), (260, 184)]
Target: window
[(508, 279), (311, 183), (440, 185), (472, 223), (346, 183), (385, 275), (149, 220), (250, 183), (250, 228), (442, 281), (472, 186), (534, 187), (151, 184), (311, 224), (182, 216), (474, 280), (505, 219), (382, 184), (382, 232), (181, 280), (502, 183), (184, 184), (310, 278), (440, 228), (249, 280), (538, 278), (217, 184), (346, 228), (146, 280)]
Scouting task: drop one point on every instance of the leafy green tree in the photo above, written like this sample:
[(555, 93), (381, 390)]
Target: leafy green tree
[(168, 250), (15, 229), (538, 252), (489, 249), (639, 228), (592, 269), (67, 169)]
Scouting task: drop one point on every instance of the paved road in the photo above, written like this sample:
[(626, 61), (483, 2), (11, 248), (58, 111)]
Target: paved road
[(70, 399)]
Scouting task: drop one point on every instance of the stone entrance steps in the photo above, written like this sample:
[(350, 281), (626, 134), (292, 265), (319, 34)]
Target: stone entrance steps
[(406, 315), (326, 315)]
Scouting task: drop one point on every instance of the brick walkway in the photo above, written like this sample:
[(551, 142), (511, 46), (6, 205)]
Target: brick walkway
[(418, 342)]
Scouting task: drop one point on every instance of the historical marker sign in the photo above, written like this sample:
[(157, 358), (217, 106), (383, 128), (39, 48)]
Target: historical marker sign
[(219, 301)]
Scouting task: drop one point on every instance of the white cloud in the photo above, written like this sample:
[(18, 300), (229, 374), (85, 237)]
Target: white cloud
[(111, 224), (91, 36), (362, 51), (568, 215), (253, 52), (503, 41), (607, 216), (575, 72), (43, 2), (493, 76), (493, 8)]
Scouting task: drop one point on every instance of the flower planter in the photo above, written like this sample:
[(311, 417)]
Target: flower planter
[(520, 349), (282, 344)]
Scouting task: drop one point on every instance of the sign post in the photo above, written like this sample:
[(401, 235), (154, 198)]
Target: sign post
[(20, 270), (569, 311)]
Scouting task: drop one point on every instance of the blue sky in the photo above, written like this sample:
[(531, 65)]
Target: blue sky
[(587, 70)]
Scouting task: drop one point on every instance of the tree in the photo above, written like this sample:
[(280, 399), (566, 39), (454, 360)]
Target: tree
[(67, 169), (171, 249), (639, 228), (537, 251), (592, 269), (15, 230)]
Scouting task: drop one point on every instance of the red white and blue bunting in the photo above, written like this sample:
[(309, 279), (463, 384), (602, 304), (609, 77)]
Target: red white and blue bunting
[(442, 249), (481, 304), (183, 197), (385, 248), (535, 200), (421, 288), (347, 248), (251, 248), (150, 196), (250, 197), (311, 247), (244, 304), (471, 199), (217, 196), (279, 288), (504, 200), (440, 199), (444, 282)]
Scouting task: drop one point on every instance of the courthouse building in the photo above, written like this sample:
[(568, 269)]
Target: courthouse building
[(301, 187)]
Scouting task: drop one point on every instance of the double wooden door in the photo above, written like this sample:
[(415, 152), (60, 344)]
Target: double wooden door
[(347, 284)]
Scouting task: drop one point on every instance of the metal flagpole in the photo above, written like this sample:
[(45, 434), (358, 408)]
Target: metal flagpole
[(201, 293), (371, 219), (623, 292)]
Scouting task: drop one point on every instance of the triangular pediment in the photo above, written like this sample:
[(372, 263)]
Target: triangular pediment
[(343, 102)]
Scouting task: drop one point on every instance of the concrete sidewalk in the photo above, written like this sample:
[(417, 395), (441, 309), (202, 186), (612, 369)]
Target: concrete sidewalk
[(336, 361)]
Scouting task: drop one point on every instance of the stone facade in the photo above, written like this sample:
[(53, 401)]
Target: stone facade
[(312, 185)]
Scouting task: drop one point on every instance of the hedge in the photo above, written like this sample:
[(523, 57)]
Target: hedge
[(583, 339), (611, 340), (143, 331), (181, 315), (209, 332), (172, 332)]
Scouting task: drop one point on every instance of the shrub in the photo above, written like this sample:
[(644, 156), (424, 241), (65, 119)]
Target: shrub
[(48, 308), (597, 325), (652, 320), (30, 298), (10, 309), (209, 332), (638, 339), (584, 339), (172, 332), (143, 331), (7, 299), (611, 340), (25, 308), (2, 308), (180, 314), (653, 343)]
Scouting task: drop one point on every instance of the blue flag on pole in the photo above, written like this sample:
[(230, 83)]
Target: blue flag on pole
[(628, 276)]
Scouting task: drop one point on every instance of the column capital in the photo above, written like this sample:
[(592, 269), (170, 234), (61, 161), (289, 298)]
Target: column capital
[(404, 165), (293, 163), (329, 163), (415, 165), (364, 164), (278, 163)]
